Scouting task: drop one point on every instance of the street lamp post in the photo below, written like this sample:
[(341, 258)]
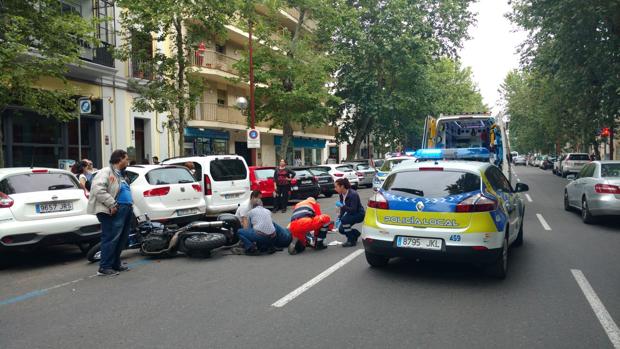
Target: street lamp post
[(252, 111)]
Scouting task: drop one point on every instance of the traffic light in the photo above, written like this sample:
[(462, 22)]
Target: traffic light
[(605, 132)]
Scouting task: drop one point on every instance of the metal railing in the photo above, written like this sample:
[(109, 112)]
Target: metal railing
[(218, 112), (141, 69), (213, 60)]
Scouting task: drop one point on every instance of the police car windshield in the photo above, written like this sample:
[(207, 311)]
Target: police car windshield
[(389, 164), (432, 183)]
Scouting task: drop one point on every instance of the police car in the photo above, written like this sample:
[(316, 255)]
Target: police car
[(458, 210)]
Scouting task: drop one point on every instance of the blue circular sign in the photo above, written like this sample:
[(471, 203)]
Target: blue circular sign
[(253, 134)]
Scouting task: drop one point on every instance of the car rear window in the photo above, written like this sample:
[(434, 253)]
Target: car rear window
[(610, 170), (33, 182), (228, 170), (264, 173), (363, 167), (344, 168), (320, 170), (578, 157), (169, 175), (431, 183), (299, 173)]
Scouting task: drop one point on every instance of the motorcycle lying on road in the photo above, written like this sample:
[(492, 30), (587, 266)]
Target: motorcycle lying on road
[(194, 239)]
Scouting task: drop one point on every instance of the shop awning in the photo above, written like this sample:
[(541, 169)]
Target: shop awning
[(195, 132), (299, 142)]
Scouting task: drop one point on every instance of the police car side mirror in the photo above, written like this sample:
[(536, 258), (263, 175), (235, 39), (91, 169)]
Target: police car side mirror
[(571, 177), (521, 187)]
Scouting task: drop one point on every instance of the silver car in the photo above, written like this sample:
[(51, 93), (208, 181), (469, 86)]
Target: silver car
[(595, 190), (364, 172)]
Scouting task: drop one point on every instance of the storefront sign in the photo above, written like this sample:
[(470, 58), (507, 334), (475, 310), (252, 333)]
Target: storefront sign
[(253, 139)]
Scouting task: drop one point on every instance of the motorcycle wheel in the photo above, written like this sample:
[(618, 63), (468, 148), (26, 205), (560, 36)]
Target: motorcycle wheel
[(94, 254), (204, 242)]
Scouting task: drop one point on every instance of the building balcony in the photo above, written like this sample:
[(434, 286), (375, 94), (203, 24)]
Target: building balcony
[(213, 60), (140, 69), (101, 55)]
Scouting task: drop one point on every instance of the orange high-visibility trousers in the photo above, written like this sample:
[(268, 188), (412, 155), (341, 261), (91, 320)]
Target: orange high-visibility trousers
[(301, 226)]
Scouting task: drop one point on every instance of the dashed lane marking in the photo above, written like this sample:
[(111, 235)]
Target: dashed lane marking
[(599, 309), (305, 287), (528, 197), (543, 222)]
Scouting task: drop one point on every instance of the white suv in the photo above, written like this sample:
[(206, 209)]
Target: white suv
[(224, 178), (41, 206), (342, 171), (574, 162), (168, 194)]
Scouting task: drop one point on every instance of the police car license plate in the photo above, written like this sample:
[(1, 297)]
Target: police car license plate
[(419, 243), (50, 207), (186, 211)]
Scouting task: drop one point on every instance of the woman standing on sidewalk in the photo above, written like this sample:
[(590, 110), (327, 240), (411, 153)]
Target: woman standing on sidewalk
[(351, 211)]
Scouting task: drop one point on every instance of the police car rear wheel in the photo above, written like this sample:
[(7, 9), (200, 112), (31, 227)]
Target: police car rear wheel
[(499, 268), (376, 261)]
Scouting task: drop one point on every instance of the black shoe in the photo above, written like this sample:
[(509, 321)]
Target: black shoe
[(349, 244), (291, 247), (107, 272), (271, 250), (122, 268), (320, 245)]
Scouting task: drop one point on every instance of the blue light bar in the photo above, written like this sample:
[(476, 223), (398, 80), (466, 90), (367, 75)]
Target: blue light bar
[(482, 154), (429, 154)]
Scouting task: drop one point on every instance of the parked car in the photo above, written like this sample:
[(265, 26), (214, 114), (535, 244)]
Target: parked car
[(167, 194), (326, 182), (573, 163), (304, 185), (261, 178), (225, 180), (388, 166), (547, 162), (378, 163), (595, 190), (341, 171), (557, 165), (44, 206), (519, 160), (365, 173)]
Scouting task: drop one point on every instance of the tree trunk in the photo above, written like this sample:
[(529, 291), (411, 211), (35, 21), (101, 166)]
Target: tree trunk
[(181, 107), (362, 132), (1, 140), (287, 137)]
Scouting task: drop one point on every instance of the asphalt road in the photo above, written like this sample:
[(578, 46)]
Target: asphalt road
[(49, 299)]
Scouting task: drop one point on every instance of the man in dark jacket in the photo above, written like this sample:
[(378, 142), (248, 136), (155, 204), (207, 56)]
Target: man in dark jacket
[(282, 182), (351, 211)]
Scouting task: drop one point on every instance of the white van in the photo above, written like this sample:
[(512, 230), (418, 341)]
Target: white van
[(224, 178)]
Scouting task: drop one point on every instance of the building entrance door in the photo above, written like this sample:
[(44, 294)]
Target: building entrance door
[(241, 149), (140, 144)]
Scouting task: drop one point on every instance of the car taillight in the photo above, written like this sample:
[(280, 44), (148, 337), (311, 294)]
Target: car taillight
[(378, 201), (338, 174), (5, 200), (477, 203), (316, 179), (359, 174), (294, 181), (161, 191), (607, 189), (197, 187), (430, 169), (41, 170), (208, 190)]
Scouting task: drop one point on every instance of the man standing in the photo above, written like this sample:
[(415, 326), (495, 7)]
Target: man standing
[(110, 199), (282, 182)]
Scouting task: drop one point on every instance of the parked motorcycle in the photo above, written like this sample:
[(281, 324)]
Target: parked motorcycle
[(194, 239)]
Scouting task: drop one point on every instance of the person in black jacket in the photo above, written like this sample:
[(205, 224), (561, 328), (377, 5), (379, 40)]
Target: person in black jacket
[(282, 181), (351, 211)]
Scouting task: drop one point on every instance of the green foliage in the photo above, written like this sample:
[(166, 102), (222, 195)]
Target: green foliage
[(291, 67), (387, 78), (570, 68), (38, 40), (171, 86)]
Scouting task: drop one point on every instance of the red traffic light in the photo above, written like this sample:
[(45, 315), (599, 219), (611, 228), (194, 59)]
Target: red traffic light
[(605, 132)]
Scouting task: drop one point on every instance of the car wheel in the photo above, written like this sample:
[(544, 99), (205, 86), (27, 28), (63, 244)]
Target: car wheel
[(328, 195), (586, 216), (376, 261), (519, 240), (499, 268), (566, 202), (94, 254), (564, 174)]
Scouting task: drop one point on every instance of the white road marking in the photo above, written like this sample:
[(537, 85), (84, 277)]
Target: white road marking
[(610, 327), (305, 287), (518, 179), (527, 196), (543, 222), (335, 243)]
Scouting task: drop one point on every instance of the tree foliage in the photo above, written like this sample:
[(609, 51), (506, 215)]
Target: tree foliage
[(174, 86), (386, 51), (570, 67), (291, 67), (38, 39)]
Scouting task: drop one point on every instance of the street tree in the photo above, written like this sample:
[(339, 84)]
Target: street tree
[(386, 50), (39, 39), (171, 84), (291, 66)]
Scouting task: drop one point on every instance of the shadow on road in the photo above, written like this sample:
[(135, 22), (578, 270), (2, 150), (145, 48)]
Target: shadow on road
[(21, 260)]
